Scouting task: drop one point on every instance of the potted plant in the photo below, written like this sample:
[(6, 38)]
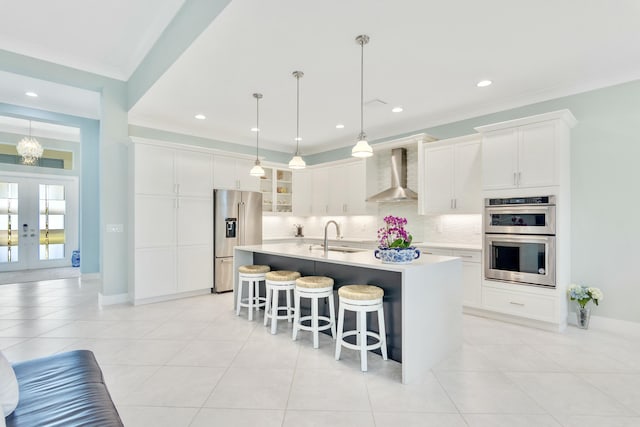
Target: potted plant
[(583, 295), (395, 242)]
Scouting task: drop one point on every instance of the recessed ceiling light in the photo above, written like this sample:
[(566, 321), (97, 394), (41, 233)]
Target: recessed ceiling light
[(255, 130), (339, 126), (31, 94), (397, 109), (200, 116), (484, 83), (298, 138)]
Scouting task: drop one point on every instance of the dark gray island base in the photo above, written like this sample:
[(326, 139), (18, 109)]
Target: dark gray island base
[(390, 281), (422, 302)]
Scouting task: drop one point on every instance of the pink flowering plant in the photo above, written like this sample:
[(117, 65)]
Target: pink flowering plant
[(393, 234)]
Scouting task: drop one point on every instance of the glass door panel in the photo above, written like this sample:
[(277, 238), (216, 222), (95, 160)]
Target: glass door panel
[(52, 221), (9, 229)]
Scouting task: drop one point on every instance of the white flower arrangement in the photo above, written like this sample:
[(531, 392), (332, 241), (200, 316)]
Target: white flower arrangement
[(584, 294)]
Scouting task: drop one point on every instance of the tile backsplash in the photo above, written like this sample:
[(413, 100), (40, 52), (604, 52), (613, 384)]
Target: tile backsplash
[(424, 228)]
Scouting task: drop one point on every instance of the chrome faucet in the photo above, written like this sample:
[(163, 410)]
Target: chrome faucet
[(326, 243)]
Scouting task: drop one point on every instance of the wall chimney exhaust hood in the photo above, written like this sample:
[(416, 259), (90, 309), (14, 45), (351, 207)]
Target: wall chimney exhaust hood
[(398, 191)]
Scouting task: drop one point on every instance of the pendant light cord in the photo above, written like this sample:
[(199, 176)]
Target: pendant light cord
[(297, 114), (257, 124), (362, 86)]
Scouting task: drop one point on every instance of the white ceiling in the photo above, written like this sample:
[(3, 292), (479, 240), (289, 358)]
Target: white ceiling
[(39, 129), (424, 55), (109, 38)]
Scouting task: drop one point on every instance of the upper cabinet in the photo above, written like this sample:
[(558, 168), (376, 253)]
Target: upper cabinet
[(526, 153), (161, 170), (301, 193), (276, 187), (452, 176), (339, 189), (232, 173)]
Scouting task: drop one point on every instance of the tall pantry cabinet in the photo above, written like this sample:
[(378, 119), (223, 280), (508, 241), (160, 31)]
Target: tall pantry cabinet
[(171, 217)]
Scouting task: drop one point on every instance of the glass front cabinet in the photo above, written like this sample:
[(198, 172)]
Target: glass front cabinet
[(276, 185)]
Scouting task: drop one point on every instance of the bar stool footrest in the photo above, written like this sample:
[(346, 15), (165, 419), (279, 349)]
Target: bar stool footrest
[(371, 334), (320, 327)]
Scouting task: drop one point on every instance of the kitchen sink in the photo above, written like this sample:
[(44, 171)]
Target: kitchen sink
[(342, 249)]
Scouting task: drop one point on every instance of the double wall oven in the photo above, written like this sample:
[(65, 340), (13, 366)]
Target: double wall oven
[(520, 240)]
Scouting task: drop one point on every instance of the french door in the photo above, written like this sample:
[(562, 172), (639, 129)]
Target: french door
[(38, 221)]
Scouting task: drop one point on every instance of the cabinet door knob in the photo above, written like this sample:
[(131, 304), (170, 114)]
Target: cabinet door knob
[(515, 182)]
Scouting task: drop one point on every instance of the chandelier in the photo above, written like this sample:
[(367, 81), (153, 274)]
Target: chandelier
[(30, 149)]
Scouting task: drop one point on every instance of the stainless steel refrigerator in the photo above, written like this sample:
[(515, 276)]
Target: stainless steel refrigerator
[(237, 220)]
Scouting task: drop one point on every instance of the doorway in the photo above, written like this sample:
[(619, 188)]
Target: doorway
[(38, 221)]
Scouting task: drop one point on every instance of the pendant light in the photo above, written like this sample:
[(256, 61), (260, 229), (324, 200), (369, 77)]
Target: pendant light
[(296, 161), (30, 149), (362, 147), (257, 170)]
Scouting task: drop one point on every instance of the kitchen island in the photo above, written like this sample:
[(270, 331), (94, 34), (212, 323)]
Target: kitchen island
[(422, 302)]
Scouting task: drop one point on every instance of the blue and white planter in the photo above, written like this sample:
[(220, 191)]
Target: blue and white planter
[(397, 255)]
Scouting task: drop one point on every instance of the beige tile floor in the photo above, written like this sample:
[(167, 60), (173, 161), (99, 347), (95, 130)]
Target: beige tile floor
[(192, 362)]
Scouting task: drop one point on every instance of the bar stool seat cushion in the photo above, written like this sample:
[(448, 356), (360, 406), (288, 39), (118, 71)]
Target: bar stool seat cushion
[(314, 282), (361, 292), (254, 269), (282, 275)]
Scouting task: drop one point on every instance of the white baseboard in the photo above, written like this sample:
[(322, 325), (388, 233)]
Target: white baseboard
[(112, 299), (152, 300), (538, 324)]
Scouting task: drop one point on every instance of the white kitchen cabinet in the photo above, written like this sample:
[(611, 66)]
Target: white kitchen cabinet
[(232, 173), (301, 193), (526, 153), (471, 273), (149, 160), (520, 303), (194, 175), (277, 191), (172, 221), (343, 191), (452, 176), (320, 191)]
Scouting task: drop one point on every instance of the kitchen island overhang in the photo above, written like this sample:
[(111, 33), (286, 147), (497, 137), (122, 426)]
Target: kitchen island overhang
[(423, 300)]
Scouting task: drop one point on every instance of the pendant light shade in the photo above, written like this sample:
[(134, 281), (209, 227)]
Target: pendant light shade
[(257, 169), (29, 149), (362, 147), (296, 161)]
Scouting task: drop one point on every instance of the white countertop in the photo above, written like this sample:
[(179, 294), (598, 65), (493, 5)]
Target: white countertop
[(359, 259)]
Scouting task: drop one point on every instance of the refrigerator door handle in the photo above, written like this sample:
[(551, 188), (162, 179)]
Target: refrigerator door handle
[(241, 231)]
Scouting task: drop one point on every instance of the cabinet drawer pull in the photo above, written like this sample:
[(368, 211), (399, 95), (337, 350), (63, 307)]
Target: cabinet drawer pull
[(465, 256), (516, 303)]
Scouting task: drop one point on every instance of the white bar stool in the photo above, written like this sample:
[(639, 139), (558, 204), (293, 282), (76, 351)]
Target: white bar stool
[(361, 299), (314, 288), (252, 275), (276, 281)]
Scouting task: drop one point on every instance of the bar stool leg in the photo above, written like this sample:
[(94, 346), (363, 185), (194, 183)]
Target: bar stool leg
[(256, 295), (296, 315), (362, 332), (251, 297), (383, 333), (289, 308), (267, 305), (239, 300), (314, 320), (340, 331), (274, 310), (332, 316)]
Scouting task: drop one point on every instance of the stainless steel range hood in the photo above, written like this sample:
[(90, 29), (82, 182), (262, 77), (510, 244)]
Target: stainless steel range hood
[(398, 191)]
